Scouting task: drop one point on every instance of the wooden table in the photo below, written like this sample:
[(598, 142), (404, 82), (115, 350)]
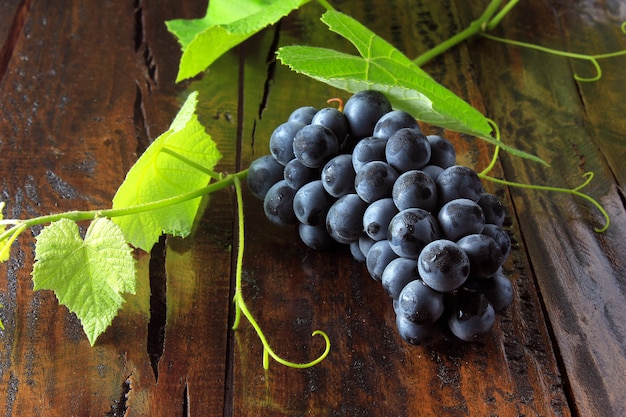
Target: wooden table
[(86, 85)]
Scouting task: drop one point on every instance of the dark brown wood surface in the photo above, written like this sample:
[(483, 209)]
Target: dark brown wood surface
[(85, 86)]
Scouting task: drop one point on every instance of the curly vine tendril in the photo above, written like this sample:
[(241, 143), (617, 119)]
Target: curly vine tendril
[(593, 59), (574, 191), (241, 308)]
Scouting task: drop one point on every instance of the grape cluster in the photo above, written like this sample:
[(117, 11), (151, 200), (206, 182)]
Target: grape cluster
[(424, 226)]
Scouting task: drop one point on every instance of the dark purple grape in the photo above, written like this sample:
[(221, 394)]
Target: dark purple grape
[(344, 220), (281, 141), (296, 174), (374, 181), (338, 176), (378, 257), (443, 265), (278, 204), (484, 254), (417, 334), (334, 120), (458, 181), (498, 289), (433, 171), (314, 145), (410, 230), (419, 303), (407, 149), (460, 217), (356, 251), (501, 237), (377, 217), (365, 244), (442, 152), (471, 315), (262, 174), (393, 121), (315, 237), (302, 115), (398, 273), (415, 189), (363, 110), (368, 150), (311, 204), (492, 208)]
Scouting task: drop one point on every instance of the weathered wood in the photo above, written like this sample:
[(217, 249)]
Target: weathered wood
[(575, 127), (87, 88)]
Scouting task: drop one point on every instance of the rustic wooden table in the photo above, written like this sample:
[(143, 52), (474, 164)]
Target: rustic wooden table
[(86, 85)]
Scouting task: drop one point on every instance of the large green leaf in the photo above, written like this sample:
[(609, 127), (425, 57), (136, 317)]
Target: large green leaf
[(159, 174), (383, 67), (226, 24), (88, 276)]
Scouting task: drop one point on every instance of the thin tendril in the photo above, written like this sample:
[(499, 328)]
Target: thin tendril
[(496, 129), (241, 308), (498, 18)]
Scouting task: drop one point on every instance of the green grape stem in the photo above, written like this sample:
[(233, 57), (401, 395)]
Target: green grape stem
[(242, 309)]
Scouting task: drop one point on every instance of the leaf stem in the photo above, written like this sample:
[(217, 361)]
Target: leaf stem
[(241, 308), (209, 172)]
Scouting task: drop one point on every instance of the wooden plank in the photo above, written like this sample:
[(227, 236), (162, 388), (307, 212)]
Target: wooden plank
[(370, 370), (541, 108), (67, 141), (12, 16)]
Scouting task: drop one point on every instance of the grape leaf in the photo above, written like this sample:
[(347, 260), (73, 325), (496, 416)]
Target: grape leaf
[(383, 67), (88, 276), (158, 175), (226, 24)]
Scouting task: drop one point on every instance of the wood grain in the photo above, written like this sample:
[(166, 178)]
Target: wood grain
[(87, 88)]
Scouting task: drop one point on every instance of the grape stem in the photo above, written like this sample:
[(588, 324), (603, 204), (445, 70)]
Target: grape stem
[(242, 309)]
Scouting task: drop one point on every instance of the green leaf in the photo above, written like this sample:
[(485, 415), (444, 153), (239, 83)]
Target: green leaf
[(226, 24), (88, 276), (383, 67), (165, 170)]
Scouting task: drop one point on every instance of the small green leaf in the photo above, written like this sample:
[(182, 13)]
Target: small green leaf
[(158, 175), (226, 24), (383, 67), (88, 276)]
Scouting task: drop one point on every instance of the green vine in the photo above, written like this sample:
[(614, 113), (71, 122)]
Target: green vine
[(240, 305)]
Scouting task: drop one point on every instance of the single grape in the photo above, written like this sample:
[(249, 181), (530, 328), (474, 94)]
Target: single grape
[(344, 219), (368, 150), (484, 254), (393, 121), (281, 141), (443, 265), (471, 315), (297, 174), (410, 230), (365, 244), (302, 115), (334, 120), (442, 152), (363, 110), (377, 217), (498, 289), (407, 149), (398, 273), (314, 145), (415, 189), (501, 237), (458, 181), (315, 237), (417, 334), (492, 208), (311, 203), (460, 217), (356, 251), (262, 174), (278, 204), (420, 303), (378, 257), (375, 181), (338, 176), (433, 171)]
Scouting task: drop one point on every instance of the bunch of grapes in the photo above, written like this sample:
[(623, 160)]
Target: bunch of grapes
[(424, 226)]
